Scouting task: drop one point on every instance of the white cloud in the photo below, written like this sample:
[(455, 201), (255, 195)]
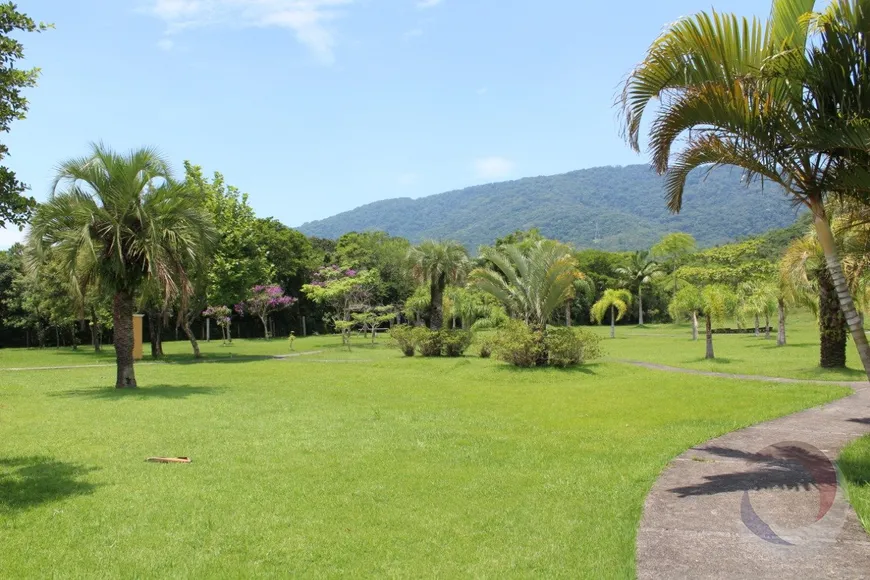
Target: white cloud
[(9, 236), (493, 167), (165, 44), (308, 19), (423, 4), (413, 33)]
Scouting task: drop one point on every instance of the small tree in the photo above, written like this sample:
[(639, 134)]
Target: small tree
[(687, 302), (615, 301), (674, 249), (719, 302), (222, 316), (263, 302), (759, 299)]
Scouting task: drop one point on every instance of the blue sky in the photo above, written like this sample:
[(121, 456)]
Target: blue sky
[(318, 106)]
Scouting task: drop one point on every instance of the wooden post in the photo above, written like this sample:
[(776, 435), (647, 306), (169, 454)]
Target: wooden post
[(137, 336)]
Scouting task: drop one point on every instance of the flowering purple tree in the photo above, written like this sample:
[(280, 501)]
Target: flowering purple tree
[(264, 301), (222, 316)]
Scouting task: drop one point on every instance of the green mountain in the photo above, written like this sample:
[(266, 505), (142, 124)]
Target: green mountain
[(611, 208)]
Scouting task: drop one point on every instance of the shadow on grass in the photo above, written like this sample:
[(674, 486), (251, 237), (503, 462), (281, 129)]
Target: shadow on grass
[(150, 392), (718, 359), (585, 369), (27, 482)]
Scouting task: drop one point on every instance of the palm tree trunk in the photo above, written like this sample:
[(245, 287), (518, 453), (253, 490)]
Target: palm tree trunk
[(96, 331), (612, 322), (709, 337), (757, 324), (832, 325), (568, 313), (436, 307), (826, 239), (766, 326), (122, 313), (780, 338), (640, 305), (694, 325), (188, 331)]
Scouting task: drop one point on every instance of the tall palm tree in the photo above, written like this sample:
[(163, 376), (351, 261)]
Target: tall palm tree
[(617, 302), (759, 298), (766, 97), (640, 270), (531, 282), (718, 301), (119, 221), (687, 302), (438, 264)]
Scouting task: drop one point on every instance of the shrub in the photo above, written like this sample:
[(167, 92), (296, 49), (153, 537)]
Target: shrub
[(564, 347), (428, 341), (403, 337), (486, 348), (592, 348), (455, 342), (516, 343)]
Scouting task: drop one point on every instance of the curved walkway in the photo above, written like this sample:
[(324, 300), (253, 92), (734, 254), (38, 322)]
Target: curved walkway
[(762, 502)]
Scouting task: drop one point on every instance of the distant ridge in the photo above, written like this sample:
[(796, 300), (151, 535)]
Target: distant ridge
[(611, 208)]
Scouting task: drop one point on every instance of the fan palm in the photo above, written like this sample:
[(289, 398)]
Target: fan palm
[(437, 264), (119, 221), (640, 270), (617, 302), (785, 100), (530, 282)]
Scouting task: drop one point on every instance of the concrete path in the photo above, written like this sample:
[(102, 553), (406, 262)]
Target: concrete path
[(762, 502)]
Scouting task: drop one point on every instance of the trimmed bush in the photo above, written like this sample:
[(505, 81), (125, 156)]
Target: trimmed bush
[(429, 342), (571, 346), (486, 348), (455, 342), (403, 337), (516, 343)]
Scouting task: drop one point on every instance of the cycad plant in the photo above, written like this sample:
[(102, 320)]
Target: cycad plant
[(119, 221), (530, 282), (785, 99)]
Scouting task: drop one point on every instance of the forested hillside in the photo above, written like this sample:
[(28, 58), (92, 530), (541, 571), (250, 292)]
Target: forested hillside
[(611, 208)]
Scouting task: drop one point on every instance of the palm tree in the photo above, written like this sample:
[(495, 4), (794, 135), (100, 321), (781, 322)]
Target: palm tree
[(640, 270), (530, 282), (674, 248), (615, 301), (767, 98), (437, 264), (119, 221), (687, 301), (759, 299), (718, 302)]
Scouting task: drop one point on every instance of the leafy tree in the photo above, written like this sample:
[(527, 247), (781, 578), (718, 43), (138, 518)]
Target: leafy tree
[(617, 302), (384, 253), (640, 270), (770, 99), (222, 315), (342, 291), (531, 284), (15, 207), (119, 221), (688, 301), (438, 264), (674, 248), (239, 261), (290, 254)]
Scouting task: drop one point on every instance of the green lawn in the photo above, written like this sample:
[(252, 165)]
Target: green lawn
[(672, 345), (360, 464), (854, 462)]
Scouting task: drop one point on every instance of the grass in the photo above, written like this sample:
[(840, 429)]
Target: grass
[(854, 463), (672, 345), (361, 463)]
